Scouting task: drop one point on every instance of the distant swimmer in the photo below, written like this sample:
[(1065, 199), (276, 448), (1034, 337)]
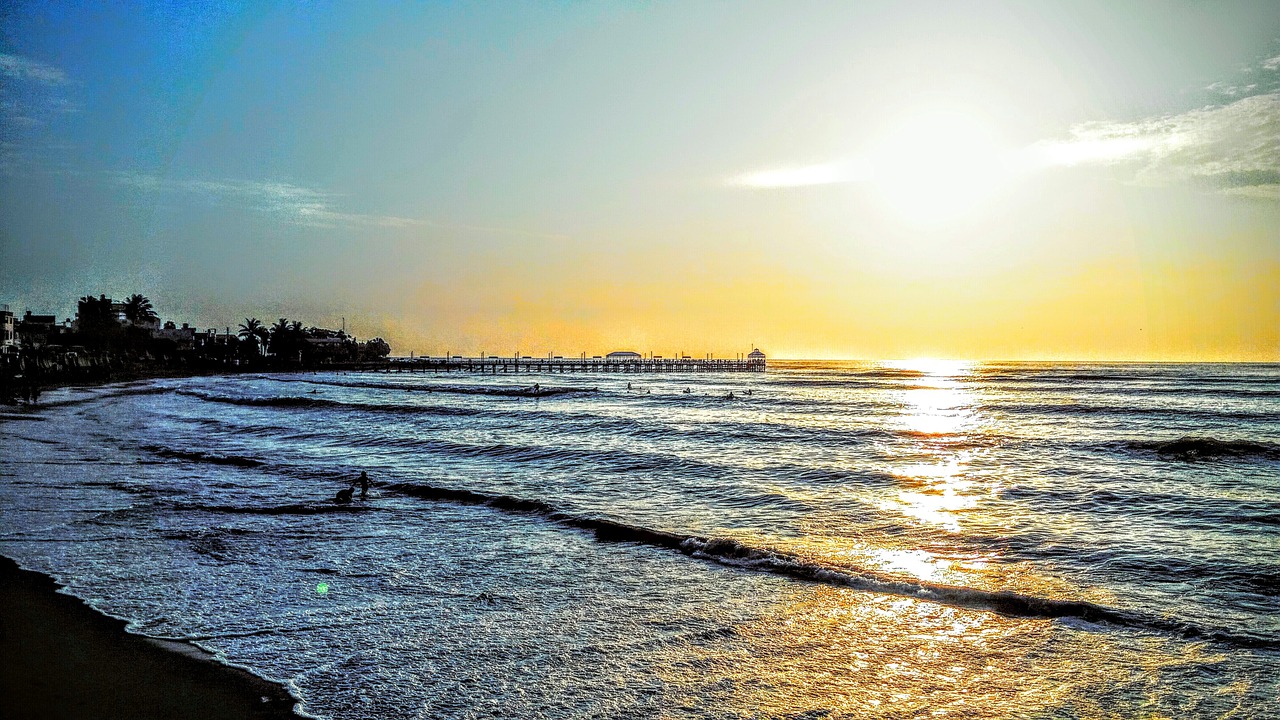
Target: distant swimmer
[(687, 391), (729, 396), (748, 391), (343, 496), (363, 482), (628, 386)]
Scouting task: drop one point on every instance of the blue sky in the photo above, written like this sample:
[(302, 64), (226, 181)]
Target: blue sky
[(827, 179)]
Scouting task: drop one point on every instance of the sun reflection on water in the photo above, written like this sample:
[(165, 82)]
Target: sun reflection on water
[(939, 407), (832, 652)]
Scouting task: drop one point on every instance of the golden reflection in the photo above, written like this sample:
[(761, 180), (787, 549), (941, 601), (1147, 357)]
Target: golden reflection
[(937, 402), (936, 494), (939, 407), (839, 653)]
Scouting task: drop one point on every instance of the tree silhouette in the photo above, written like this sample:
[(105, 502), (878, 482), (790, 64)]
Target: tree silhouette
[(96, 320), (279, 335), (253, 334), (138, 309), (286, 339)]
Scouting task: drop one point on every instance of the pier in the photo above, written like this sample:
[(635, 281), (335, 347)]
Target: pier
[(495, 365)]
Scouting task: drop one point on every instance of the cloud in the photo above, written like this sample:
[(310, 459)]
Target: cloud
[(293, 204), (1232, 148), (17, 67), (31, 94), (802, 176)]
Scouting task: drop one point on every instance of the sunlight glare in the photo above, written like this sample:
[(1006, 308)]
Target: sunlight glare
[(938, 166)]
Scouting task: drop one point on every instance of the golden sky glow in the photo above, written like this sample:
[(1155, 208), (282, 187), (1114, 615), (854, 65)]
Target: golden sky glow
[(874, 181)]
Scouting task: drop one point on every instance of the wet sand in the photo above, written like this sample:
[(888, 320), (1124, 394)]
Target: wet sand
[(59, 658)]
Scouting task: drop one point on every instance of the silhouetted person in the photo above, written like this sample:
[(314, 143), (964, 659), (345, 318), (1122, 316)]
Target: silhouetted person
[(343, 496), (363, 482)]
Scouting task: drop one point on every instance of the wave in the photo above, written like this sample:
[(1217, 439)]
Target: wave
[(1121, 410), (108, 392), (202, 457), (540, 392), (577, 423), (1192, 447), (311, 508), (20, 416), (734, 553), (315, 402), (1202, 508)]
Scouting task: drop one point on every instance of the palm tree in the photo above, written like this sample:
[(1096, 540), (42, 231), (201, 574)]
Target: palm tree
[(286, 339), (138, 310), (279, 336), (252, 331)]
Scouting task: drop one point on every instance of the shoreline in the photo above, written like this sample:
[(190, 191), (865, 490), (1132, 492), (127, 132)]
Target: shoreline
[(60, 658), (97, 377)]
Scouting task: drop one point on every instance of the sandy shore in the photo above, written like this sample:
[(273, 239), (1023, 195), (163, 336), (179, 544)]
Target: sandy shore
[(61, 659)]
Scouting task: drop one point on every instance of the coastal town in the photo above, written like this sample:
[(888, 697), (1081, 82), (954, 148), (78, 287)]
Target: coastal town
[(111, 340), (119, 340)]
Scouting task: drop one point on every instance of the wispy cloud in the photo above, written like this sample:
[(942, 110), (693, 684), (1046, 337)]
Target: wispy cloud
[(1233, 148), (291, 203), (800, 176), (32, 94), (16, 67), (295, 204)]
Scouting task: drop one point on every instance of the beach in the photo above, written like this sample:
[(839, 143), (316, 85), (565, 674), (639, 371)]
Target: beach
[(62, 659), (848, 540)]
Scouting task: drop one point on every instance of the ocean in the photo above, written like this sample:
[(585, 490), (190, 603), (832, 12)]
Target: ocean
[(823, 540)]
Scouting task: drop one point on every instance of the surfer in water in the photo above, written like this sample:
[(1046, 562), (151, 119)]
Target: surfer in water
[(363, 482)]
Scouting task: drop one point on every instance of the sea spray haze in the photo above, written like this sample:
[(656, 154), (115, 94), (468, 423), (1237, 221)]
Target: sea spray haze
[(843, 540)]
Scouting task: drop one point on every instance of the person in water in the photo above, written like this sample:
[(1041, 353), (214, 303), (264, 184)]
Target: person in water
[(363, 482)]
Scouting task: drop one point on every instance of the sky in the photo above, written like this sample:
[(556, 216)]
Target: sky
[(1037, 181)]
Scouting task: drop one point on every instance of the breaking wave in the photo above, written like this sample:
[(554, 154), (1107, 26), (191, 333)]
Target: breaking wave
[(202, 457), (733, 553), (317, 402), (1204, 448), (529, 391), (311, 508)]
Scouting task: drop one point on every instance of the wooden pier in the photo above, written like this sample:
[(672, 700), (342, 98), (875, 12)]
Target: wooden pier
[(496, 365)]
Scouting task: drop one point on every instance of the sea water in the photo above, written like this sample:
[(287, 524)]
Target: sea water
[(845, 540)]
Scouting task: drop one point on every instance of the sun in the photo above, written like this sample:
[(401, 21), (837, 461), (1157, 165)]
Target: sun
[(937, 166)]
